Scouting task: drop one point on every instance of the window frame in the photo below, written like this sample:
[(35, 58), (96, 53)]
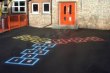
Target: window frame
[(46, 12), (3, 8), (35, 12), (13, 6)]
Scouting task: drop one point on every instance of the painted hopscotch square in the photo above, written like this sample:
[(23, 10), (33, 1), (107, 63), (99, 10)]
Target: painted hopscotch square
[(50, 45), (42, 52), (29, 51), (29, 55), (29, 61), (15, 60), (40, 48), (38, 44)]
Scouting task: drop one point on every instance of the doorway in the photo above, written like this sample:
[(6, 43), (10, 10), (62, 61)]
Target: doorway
[(67, 12)]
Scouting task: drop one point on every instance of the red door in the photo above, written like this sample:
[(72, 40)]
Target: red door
[(67, 13)]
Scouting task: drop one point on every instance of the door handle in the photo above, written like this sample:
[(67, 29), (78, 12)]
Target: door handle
[(65, 18), (70, 18)]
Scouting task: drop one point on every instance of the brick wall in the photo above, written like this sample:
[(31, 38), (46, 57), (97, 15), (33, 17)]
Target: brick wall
[(39, 20), (92, 14)]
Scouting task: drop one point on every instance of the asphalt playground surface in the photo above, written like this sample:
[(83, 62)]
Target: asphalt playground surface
[(89, 56)]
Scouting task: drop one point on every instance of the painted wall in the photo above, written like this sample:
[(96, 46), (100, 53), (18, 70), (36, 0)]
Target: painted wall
[(39, 20)]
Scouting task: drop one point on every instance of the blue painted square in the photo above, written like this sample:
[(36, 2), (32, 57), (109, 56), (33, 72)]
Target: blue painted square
[(29, 55), (50, 45), (42, 52), (40, 48), (29, 51), (30, 62), (15, 60), (38, 44)]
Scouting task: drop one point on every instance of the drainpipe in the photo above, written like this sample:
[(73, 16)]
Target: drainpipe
[(51, 12), (28, 11), (81, 4), (51, 16)]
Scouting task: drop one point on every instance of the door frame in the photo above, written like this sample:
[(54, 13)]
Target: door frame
[(60, 10)]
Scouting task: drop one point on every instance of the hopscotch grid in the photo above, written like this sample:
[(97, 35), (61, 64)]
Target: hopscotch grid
[(37, 47), (23, 56), (24, 52), (34, 58), (14, 62), (36, 61), (46, 51)]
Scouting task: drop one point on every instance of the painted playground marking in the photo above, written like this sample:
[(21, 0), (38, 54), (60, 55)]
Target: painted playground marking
[(30, 56), (22, 61), (37, 39), (77, 40), (32, 39)]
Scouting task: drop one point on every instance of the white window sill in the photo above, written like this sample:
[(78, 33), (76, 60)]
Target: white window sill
[(18, 12), (46, 12), (34, 13), (4, 12)]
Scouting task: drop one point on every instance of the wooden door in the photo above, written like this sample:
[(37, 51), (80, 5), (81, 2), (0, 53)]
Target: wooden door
[(67, 13)]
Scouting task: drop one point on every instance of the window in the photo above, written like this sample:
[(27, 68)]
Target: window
[(15, 3), (35, 8), (4, 8), (46, 8), (22, 3), (19, 6), (64, 9), (70, 9)]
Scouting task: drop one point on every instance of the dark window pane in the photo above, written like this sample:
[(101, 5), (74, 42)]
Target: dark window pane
[(70, 9), (64, 9), (5, 2), (16, 8), (16, 3), (35, 7), (46, 7), (22, 8), (5, 9), (22, 3), (5, 5)]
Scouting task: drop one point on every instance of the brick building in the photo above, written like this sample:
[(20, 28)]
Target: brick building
[(92, 14), (40, 13)]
